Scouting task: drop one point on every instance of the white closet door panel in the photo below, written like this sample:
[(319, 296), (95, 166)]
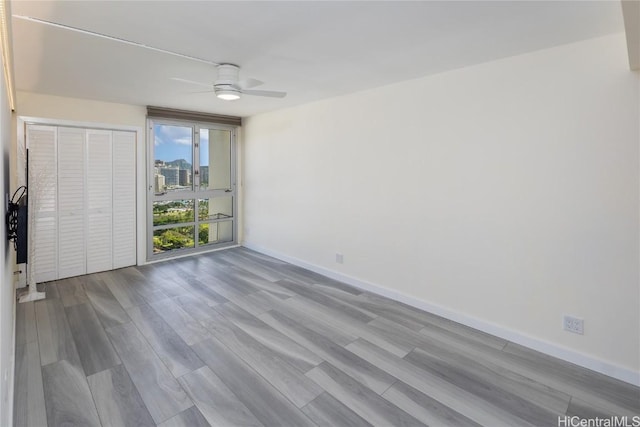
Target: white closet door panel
[(41, 142), (71, 246), (71, 170), (71, 202), (46, 253), (99, 247), (99, 201), (124, 197), (99, 194)]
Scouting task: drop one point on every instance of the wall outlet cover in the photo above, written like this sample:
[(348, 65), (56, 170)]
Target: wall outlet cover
[(573, 324)]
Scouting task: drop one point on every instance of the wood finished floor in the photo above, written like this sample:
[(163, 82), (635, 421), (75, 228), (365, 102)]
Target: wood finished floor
[(236, 338)]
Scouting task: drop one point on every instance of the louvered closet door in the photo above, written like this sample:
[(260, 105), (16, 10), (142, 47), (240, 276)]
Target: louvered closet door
[(71, 202), (99, 201), (124, 196), (42, 187)]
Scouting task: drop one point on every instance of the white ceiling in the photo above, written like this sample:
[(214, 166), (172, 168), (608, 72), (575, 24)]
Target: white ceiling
[(310, 49)]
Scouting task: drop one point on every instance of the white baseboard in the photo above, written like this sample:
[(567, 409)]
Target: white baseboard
[(551, 349)]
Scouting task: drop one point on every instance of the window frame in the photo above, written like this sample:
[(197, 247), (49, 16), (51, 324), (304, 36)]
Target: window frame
[(195, 194)]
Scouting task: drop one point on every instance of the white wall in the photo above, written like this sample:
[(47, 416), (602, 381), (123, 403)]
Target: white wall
[(7, 295), (503, 195), (81, 110)]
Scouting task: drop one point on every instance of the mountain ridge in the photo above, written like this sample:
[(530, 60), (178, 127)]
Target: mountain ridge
[(179, 163)]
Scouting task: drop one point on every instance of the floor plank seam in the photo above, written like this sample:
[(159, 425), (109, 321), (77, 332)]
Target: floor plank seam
[(387, 389)]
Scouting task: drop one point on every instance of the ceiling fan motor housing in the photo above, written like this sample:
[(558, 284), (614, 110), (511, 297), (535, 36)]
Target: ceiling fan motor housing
[(226, 86), (228, 74)]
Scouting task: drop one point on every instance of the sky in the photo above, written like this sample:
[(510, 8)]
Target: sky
[(174, 142)]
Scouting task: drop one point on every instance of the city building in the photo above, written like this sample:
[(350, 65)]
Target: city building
[(184, 177), (159, 183), (171, 175)]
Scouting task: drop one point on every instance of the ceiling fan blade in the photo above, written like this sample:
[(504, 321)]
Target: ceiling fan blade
[(178, 79), (112, 38), (249, 83), (269, 93)]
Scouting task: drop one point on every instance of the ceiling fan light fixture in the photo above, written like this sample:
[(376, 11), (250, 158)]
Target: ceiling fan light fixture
[(228, 94)]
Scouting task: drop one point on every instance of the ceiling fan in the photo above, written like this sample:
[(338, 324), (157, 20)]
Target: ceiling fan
[(227, 86)]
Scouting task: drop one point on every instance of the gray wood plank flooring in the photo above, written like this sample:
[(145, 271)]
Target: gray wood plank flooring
[(359, 368), (54, 335), (107, 307), (28, 403), (215, 400), (361, 399), (262, 398), (188, 418), (425, 408), (170, 348), (287, 379), (237, 338), (67, 396), (160, 392), (117, 400), (185, 326), (327, 411), (285, 348), (72, 291), (26, 323), (94, 348)]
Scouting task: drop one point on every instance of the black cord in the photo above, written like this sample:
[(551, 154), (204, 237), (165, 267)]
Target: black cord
[(12, 215)]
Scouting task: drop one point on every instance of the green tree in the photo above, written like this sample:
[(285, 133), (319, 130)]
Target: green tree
[(175, 238), (203, 235)]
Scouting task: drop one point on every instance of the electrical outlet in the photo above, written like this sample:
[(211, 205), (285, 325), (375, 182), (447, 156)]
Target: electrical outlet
[(573, 324), (339, 258)]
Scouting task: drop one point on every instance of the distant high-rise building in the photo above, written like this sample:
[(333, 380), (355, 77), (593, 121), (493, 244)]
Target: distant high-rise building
[(171, 176), (159, 183), (204, 176), (185, 177)]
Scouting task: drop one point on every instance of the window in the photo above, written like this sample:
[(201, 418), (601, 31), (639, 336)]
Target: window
[(192, 186)]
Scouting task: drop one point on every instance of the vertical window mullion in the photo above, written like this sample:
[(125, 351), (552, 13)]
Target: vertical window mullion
[(196, 158), (196, 184)]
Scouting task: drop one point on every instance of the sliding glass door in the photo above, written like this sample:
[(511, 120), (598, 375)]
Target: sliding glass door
[(192, 187)]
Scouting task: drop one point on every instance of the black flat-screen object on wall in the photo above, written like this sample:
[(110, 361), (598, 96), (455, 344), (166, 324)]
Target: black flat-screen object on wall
[(22, 231)]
